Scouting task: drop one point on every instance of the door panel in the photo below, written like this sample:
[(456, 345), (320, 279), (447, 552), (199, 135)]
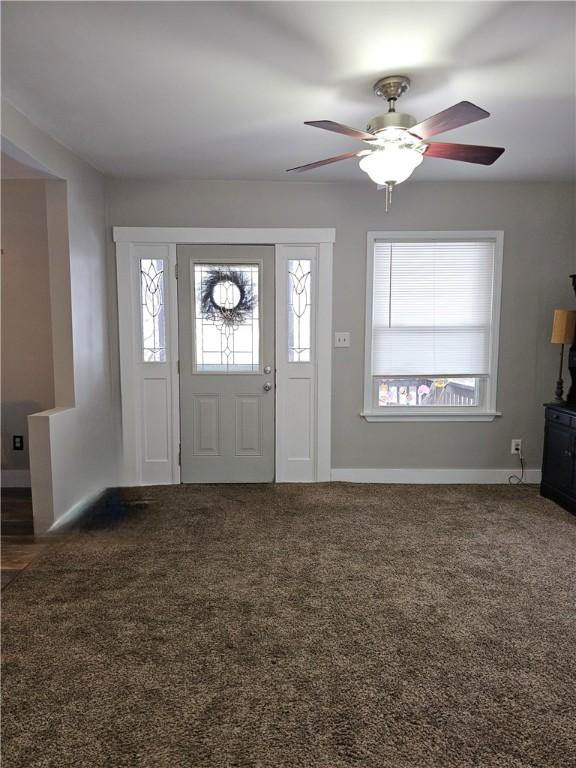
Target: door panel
[(300, 406), (226, 342), (156, 417), (249, 426), (206, 425)]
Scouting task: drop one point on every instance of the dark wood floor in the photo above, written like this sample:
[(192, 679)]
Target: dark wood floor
[(19, 545)]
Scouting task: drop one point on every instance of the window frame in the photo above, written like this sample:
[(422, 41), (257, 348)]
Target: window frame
[(197, 371), (486, 410)]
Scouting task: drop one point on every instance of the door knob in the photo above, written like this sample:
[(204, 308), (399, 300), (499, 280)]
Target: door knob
[(267, 387)]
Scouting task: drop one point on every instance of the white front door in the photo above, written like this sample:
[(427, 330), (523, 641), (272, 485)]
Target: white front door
[(227, 370)]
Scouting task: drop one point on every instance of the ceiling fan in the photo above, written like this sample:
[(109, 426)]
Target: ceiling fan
[(398, 144)]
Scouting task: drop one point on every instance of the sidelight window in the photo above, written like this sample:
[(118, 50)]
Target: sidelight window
[(153, 310), (299, 310)]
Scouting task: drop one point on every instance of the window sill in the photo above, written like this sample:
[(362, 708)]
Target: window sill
[(402, 414)]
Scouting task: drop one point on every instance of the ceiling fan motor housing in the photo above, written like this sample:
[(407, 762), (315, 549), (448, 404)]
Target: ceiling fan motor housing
[(390, 120)]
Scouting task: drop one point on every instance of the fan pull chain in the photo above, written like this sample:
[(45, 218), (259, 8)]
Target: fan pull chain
[(388, 187)]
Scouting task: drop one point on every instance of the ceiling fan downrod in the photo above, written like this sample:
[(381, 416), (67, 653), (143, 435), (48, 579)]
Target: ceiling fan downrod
[(391, 88)]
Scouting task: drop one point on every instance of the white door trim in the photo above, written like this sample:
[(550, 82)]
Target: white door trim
[(136, 470), (223, 235), (324, 363)]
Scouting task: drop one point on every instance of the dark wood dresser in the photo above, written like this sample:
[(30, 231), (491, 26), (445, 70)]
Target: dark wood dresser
[(559, 464)]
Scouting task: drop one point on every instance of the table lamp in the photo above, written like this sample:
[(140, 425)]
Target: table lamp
[(562, 333)]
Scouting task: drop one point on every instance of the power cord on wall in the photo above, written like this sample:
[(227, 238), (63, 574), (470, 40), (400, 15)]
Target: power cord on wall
[(514, 479)]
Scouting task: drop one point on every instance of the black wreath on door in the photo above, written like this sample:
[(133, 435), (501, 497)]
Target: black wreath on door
[(227, 313)]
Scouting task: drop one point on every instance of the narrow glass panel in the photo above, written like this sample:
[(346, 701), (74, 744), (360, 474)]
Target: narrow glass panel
[(427, 391), (299, 310), (227, 318), (153, 311)]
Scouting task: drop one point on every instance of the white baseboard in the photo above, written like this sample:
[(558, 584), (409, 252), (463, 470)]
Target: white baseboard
[(432, 476), (16, 478)]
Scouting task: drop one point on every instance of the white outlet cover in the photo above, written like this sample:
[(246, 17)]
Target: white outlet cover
[(342, 339)]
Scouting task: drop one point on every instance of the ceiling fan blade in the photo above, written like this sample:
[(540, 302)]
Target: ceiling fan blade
[(467, 153), (330, 125), (460, 114), (318, 163)]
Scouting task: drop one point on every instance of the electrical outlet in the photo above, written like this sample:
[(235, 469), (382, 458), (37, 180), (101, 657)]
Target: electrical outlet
[(342, 339), (17, 442), (516, 446)]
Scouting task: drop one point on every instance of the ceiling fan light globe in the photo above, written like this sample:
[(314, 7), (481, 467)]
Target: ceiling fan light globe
[(391, 165)]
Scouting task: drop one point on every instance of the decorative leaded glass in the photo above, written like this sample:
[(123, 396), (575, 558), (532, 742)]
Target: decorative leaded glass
[(227, 318), (299, 310), (153, 311)]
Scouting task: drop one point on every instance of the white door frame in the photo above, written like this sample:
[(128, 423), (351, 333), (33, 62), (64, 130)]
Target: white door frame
[(151, 435)]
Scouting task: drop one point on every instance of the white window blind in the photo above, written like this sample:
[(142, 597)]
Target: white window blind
[(432, 307)]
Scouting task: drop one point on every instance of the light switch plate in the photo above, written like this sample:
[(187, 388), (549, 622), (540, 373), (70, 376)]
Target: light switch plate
[(342, 339)]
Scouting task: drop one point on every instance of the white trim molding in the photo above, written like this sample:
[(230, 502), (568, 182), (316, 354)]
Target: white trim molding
[(224, 235), (324, 362), (434, 476), (429, 415)]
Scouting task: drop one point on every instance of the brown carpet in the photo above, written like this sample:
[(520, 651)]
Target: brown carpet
[(299, 626)]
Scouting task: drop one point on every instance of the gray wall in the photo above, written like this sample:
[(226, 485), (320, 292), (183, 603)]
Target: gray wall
[(81, 437), (538, 222), (27, 364)]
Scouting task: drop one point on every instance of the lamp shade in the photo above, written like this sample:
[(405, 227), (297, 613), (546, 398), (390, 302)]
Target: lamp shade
[(563, 326)]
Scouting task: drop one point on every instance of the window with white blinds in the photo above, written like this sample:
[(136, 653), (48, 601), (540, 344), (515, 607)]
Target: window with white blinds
[(433, 315)]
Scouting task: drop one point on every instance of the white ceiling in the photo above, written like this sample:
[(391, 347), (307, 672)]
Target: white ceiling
[(220, 90)]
